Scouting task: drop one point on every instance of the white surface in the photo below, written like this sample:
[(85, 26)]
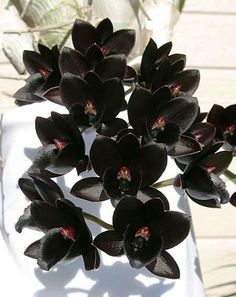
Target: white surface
[(113, 279)]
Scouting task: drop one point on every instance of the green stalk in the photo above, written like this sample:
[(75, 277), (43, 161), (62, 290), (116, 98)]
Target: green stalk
[(98, 221), (164, 183), (230, 175)]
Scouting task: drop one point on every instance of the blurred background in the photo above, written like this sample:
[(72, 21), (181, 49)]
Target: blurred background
[(203, 30)]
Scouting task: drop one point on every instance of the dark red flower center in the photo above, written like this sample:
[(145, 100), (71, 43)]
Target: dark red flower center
[(68, 233), (104, 50), (124, 173), (90, 111), (175, 89), (44, 73), (141, 238), (60, 144), (124, 178), (159, 123), (210, 169), (230, 129)]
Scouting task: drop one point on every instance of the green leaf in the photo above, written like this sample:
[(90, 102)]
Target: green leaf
[(179, 4)]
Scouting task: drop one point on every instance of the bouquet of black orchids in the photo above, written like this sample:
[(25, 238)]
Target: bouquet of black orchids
[(93, 81)]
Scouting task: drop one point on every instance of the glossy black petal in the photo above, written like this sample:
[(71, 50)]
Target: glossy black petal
[(83, 35), (53, 248), (187, 82), (112, 94), (233, 199), (93, 56), (209, 185), (217, 163), (104, 29), (148, 60), (151, 162), (91, 258), (110, 242), (112, 128), (90, 188), (139, 107), (152, 208), (174, 226), (53, 95), (148, 193), (203, 132), (74, 90), (129, 146), (32, 250), (109, 149), (125, 212), (26, 220), (27, 186), (33, 61), (181, 112), (73, 62), (164, 266), (48, 190), (120, 42), (184, 147), (47, 216), (112, 66)]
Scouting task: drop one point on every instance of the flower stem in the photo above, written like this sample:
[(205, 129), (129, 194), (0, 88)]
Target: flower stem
[(164, 183), (98, 221), (230, 175)]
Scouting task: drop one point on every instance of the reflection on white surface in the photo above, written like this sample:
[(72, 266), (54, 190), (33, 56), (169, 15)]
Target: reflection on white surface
[(115, 278)]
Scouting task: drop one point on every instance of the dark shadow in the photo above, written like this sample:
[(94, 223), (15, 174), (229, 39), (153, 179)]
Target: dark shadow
[(119, 280), (116, 280), (56, 280)]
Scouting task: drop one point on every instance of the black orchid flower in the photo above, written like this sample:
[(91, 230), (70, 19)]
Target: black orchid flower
[(93, 102), (205, 168), (153, 57), (203, 134), (106, 67), (61, 131), (224, 120), (74, 62), (181, 83), (64, 147), (158, 69), (37, 187), (44, 73), (85, 35), (123, 167), (164, 120), (143, 232), (66, 235)]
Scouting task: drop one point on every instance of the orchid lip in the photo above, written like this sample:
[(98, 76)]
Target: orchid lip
[(90, 108), (44, 73), (60, 144), (175, 89), (124, 178), (90, 111), (143, 232), (209, 169), (230, 129), (141, 238), (159, 124), (104, 50), (68, 233), (124, 173)]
